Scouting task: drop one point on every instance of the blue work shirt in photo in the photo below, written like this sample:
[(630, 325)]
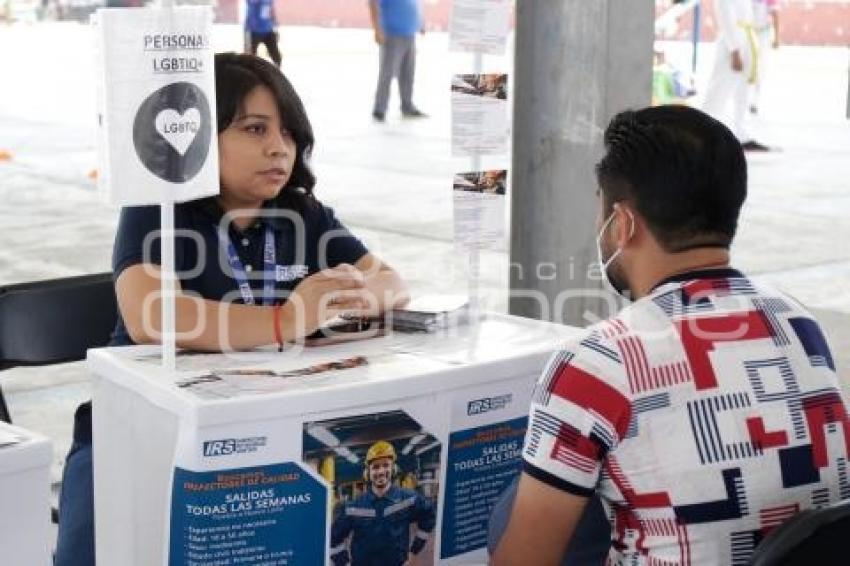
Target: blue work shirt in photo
[(380, 527)]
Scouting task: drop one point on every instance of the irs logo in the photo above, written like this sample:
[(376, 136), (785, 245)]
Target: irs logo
[(219, 447), (228, 446), (479, 406)]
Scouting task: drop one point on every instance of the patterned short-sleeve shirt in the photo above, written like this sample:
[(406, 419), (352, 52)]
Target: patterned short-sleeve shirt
[(704, 415)]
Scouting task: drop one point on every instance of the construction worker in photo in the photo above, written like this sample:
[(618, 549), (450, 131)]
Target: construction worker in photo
[(378, 521)]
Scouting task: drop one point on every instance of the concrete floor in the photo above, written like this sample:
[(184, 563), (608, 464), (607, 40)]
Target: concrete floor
[(391, 183)]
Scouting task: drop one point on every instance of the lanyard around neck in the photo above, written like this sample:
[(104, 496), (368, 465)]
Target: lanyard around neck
[(240, 274)]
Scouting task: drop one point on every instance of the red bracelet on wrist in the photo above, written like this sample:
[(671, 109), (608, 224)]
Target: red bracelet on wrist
[(276, 322)]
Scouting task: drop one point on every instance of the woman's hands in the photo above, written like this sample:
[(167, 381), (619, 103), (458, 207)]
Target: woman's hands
[(365, 289), (324, 295)]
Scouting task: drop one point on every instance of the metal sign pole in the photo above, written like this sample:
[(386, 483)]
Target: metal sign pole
[(475, 252), (167, 276), (168, 282), (696, 35), (848, 84)]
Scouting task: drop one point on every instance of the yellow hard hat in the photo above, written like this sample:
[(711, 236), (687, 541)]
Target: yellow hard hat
[(381, 449)]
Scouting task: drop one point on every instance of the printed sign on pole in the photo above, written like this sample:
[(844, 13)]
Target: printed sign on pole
[(480, 26), (480, 114), (479, 209), (156, 104)]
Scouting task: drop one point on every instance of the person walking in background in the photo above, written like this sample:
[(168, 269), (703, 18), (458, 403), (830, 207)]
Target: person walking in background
[(396, 23), (261, 27), (766, 24), (735, 68)]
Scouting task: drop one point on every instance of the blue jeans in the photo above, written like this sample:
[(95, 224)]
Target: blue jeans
[(591, 539), (75, 543)]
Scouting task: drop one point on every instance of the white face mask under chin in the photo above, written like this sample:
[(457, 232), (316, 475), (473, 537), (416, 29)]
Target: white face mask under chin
[(605, 264)]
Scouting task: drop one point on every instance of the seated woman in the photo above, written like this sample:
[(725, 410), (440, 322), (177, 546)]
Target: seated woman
[(264, 261)]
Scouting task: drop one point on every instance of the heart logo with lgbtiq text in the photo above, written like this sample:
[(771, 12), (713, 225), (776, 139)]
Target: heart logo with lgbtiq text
[(179, 130), (173, 130)]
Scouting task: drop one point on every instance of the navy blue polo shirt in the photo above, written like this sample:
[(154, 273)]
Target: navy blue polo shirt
[(305, 242)]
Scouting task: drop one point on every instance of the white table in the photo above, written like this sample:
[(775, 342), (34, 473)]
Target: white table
[(245, 455), (24, 497)]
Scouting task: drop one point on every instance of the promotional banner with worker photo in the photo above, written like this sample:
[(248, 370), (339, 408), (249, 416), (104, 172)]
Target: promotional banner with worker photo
[(156, 104), (480, 114), (415, 483)]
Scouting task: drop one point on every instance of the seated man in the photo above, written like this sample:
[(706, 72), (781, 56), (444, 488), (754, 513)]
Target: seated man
[(706, 412)]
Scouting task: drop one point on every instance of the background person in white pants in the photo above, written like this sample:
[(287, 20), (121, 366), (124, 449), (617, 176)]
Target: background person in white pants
[(766, 23), (735, 68)]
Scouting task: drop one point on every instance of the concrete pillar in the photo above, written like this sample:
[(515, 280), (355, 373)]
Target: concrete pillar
[(577, 63)]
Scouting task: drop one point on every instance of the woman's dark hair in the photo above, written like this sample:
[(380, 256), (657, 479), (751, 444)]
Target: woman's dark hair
[(681, 169), (236, 75)]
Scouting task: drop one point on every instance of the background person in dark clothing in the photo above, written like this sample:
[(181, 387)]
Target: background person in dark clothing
[(260, 27)]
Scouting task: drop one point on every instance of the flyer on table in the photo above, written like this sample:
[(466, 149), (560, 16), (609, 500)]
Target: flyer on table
[(156, 104)]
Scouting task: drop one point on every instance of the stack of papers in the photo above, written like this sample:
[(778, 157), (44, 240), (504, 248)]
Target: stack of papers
[(430, 313)]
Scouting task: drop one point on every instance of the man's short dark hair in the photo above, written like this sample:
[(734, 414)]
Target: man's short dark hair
[(682, 170)]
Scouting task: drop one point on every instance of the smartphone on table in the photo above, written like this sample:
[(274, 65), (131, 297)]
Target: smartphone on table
[(340, 330)]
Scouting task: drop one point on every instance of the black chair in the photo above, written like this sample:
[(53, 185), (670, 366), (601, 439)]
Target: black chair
[(49, 322), (814, 536), (54, 321)]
